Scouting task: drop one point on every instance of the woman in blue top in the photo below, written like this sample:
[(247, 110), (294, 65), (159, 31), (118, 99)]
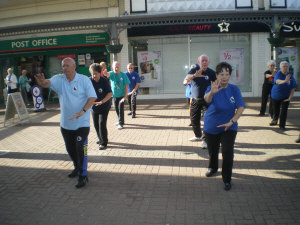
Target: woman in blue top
[(282, 93), (226, 105)]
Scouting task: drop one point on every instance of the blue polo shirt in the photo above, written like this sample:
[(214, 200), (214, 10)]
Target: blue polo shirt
[(282, 91), (72, 98), (222, 109), (134, 78), (118, 83), (200, 84)]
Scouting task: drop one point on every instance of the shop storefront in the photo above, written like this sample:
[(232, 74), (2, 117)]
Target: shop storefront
[(171, 50), (44, 54), (290, 50)]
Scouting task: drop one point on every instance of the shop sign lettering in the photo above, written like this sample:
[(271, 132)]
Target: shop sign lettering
[(34, 43), (189, 28), (291, 28)]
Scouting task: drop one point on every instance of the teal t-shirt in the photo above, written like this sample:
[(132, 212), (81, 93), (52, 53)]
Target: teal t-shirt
[(22, 81), (118, 83)]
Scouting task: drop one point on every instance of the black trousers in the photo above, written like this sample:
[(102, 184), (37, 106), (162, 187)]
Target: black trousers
[(100, 121), (132, 102), (266, 92), (226, 139), (197, 107), (119, 107), (76, 145), (280, 111)]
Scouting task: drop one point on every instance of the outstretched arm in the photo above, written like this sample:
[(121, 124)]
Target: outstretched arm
[(40, 79)]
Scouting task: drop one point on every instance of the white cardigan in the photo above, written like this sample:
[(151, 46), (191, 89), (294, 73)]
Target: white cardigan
[(14, 81)]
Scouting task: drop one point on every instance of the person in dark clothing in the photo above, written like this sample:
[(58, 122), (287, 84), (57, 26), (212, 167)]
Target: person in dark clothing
[(266, 89), (102, 104), (200, 76)]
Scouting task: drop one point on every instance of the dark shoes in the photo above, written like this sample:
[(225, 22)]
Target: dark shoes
[(227, 186), (261, 114), (282, 128), (129, 114), (210, 172), (273, 123), (102, 147), (133, 115), (82, 181), (298, 140), (74, 173)]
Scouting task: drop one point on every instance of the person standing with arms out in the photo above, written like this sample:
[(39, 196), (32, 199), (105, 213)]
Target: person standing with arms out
[(102, 105), (76, 96), (282, 93), (119, 85), (200, 76), (267, 87), (132, 89), (11, 81), (23, 80), (226, 105)]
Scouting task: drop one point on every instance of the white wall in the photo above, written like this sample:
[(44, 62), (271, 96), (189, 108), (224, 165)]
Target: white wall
[(261, 53)]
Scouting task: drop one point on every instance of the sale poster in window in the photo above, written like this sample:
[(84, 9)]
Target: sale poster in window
[(235, 57), (291, 56), (150, 71)]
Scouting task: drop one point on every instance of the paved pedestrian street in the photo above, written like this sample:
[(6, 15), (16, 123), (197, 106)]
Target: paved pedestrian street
[(150, 173)]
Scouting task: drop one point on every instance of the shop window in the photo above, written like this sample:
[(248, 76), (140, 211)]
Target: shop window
[(290, 53), (84, 60), (180, 52)]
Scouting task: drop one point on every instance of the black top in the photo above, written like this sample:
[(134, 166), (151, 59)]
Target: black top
[(200, 84), (102, 88), (268, 80)]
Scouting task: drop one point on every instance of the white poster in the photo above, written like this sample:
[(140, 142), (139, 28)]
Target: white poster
[(291, 56), (235, 57), (150, 70)]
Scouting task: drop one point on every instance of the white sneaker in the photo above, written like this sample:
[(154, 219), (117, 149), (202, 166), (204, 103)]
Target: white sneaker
[(120, 127), (195, 139), (204, 144), (117, 124)]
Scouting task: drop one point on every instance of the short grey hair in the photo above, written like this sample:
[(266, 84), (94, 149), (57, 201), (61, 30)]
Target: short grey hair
[(271, 62), (70, 59), (283, 62)]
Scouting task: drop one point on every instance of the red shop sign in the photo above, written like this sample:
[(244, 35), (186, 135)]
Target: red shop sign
[(73, 56)]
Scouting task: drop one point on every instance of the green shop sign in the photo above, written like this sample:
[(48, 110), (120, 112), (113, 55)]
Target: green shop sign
[(64, 41)]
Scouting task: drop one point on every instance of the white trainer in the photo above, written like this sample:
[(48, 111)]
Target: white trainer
[(120, 127), (204, 144), (195, 139)]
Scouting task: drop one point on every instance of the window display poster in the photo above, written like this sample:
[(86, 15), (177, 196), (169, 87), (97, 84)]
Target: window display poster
[(235, 57), (150, 70), (291, 56)]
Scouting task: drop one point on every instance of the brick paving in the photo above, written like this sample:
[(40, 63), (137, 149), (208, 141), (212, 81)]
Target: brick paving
[(151, 173)]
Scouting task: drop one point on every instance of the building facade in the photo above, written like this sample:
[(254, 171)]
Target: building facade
[(162, 38)]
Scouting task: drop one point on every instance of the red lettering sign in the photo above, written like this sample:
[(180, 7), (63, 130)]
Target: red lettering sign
[(73, 56)]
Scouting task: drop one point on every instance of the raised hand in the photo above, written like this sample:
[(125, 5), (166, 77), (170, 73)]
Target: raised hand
[(215, 86)]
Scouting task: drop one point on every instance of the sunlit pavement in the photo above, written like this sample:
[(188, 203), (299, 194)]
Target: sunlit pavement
[(150, 173)]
